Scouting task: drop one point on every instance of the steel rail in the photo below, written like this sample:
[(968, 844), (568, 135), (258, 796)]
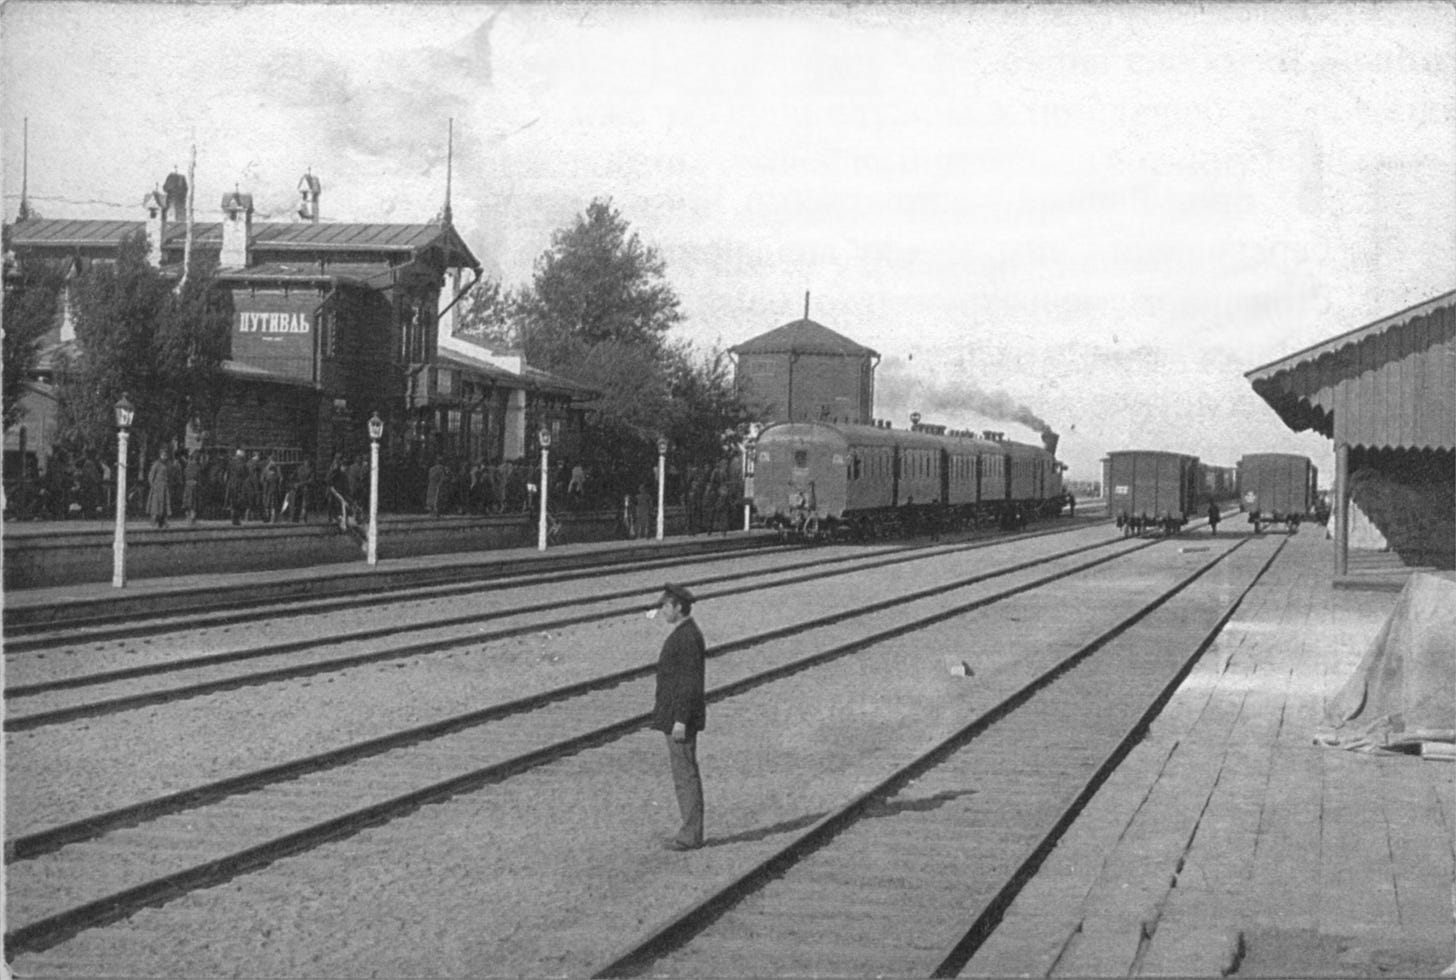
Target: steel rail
[(23, 637), (235, 613), (48, 931), (25, 722), (33, 845), (677, 931)]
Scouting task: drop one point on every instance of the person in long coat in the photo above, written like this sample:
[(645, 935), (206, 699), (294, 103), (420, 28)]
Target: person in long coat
[(253, 488), (272, 490), (159, 496), (644, 502), (693, 500), (302, 490), (191, 486), (680, 709), (236, 489)]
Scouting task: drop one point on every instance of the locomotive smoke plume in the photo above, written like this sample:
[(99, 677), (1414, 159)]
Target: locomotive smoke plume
[(952, 401)]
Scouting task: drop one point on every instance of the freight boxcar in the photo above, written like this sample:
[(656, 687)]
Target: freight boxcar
[(1150, 490), (1277, 488)]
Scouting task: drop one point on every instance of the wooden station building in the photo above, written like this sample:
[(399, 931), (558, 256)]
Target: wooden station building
[(332, 322)]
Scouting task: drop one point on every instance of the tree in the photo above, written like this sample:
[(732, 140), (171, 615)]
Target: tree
[(705, 404), (136, 335), (596, 283), (599, 310), (32, 308), (489, 317)]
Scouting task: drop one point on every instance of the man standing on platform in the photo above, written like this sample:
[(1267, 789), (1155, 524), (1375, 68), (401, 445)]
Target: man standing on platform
[(681, 709)]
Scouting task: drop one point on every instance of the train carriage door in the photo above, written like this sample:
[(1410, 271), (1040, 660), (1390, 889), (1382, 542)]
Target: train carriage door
[(978, 461), (800, 474), (1006, 467), (895, 476), (944, 460)]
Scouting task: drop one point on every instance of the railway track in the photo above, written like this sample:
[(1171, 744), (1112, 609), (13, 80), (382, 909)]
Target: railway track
[(909, 877), (231, 608), (104, 867), (41, 696)]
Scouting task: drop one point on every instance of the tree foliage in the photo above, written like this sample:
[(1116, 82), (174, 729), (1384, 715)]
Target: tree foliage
[(135, 335), (596, 283), (489, 317), (705, 406), (32, 308), (598, 311)]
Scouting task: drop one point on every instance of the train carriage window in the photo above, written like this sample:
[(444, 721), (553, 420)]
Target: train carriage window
[(801, 458)]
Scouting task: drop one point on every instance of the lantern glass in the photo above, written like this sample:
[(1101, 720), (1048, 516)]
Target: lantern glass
[(662, 447), (376, 426), (125, 413)]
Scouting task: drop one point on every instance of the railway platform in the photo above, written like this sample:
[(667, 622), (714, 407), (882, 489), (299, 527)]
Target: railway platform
[(79, 601), (1230, 843)]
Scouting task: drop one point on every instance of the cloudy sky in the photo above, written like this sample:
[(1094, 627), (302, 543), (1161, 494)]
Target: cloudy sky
[(1103, 214)]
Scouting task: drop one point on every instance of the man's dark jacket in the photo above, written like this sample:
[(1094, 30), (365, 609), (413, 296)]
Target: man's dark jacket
[(680, 680)]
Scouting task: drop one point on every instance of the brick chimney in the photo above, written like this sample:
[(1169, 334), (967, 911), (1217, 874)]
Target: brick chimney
[(156, 207), (237, 230)]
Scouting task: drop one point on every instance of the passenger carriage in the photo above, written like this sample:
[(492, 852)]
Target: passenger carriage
[(868, 480)]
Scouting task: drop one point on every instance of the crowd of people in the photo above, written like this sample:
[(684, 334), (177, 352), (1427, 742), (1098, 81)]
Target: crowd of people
[(193, 485), (254, 487), (712, 499)]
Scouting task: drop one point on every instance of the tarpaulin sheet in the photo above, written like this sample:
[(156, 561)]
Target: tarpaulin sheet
[(1404, 691)]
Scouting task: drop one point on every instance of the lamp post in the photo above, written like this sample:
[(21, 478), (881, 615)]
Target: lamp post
[(661, 483), (124, 415), (750, 451), (376, 432), (545, 436)]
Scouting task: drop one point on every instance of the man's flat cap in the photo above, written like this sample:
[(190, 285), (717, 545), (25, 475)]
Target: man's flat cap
[(678, 592)]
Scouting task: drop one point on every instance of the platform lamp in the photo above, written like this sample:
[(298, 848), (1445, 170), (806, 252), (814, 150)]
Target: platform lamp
[(661, 483), (125, 413), (750, 452), (545, 438), (376, 432)]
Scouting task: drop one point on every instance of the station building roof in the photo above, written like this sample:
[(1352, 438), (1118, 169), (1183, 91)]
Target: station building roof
[(318, 238), (532, 379), (1390, 384), (803, 337)]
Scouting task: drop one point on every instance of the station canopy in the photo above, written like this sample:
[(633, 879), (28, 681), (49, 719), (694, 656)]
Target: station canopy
[(1390, 384)]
